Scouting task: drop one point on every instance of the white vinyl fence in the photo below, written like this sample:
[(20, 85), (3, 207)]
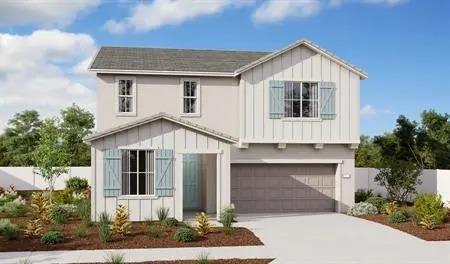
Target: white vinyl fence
[(433, 181), (24, 178)]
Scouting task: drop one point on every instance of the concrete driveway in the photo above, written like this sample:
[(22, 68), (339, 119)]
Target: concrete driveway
[(337, 238)]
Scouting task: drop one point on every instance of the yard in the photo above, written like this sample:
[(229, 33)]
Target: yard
[(426, 217), (40, 221)]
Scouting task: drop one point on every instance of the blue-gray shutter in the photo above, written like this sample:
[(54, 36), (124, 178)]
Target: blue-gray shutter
[(164, 172), (327, 100), (276, 99), (111, 172)]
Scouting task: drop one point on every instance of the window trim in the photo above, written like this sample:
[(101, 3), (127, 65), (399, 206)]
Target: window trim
[(137, 195), (199, 97), (305, 119), (116, 95)]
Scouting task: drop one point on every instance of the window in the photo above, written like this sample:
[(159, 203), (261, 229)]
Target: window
[(301, 99), (191, 95), (138, 172), (126, 95)]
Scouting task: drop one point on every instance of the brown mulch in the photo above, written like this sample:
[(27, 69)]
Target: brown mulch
[(440, 233), (217, 261), (138, 238)]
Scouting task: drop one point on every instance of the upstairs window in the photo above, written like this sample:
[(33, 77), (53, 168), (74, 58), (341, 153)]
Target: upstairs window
[(191, 97), (301, 99), (126, 95)]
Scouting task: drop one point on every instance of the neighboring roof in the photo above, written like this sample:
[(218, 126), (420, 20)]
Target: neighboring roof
[(310, 45), (172, 60), (195, 62), (159, 116)]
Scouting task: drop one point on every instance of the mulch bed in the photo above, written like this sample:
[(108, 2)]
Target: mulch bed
[(217, 261), (440, 233), (138, 238)]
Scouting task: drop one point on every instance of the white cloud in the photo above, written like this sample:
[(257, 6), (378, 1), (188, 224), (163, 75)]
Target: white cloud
[(380, 2), (42, 12), (147, 16), (43, 71), (368, 110), (275, 11)]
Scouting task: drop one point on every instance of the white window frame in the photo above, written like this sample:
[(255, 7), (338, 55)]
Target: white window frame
[(151, 174), (307, 119), (133, 95), (198, 97)]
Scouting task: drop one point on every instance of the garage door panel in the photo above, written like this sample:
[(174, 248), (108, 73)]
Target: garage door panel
[(282, 187)]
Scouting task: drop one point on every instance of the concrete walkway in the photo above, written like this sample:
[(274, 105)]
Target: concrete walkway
[(304, 238)]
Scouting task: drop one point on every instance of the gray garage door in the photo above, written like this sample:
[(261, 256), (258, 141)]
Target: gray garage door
[(262, 188)]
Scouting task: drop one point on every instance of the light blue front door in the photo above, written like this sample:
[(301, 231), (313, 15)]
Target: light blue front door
[(190, 181)]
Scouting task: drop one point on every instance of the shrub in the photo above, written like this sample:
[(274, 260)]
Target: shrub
[(62, 197), (34, 228), (121, 224), (362, 208), (203, 258), (60, 214), (378, 202), (104, 229), (15, 208), (397, 217), (115, 258), (391, 208), (83, 210), (77, 185), (185, 234), (169, 222), (154, 231), (400, 179), (8, 229), (361, 195), (227, 217), (162, 213), (40, 206), (430, 210), (81, 230), (228, 231), (203, 224), (52, 238), (8, 195)]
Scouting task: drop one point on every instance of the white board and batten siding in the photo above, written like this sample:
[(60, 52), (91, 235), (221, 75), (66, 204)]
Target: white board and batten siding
[(160, 134), (299, 64)]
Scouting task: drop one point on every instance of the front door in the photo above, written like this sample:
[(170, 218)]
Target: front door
[(191, 181)]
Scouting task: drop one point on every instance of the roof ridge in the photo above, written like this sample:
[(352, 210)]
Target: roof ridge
[(186, 49)]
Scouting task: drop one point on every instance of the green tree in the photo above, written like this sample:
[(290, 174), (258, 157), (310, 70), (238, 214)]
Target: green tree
[(76, 123), (435, 138), (368, 153), (20, 139), (50, 157)]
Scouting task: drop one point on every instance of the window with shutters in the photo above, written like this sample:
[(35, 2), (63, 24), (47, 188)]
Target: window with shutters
[(190, 97), (301, 99), (138, 172)]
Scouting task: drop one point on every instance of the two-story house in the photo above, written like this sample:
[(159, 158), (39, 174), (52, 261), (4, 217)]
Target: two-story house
[(269, 132)]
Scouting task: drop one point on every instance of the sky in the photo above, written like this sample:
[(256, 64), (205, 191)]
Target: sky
[(404, 45)]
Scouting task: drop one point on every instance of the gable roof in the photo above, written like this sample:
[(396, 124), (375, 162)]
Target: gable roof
[(159, 116), (191, 62), (172, 60), (312, 46)]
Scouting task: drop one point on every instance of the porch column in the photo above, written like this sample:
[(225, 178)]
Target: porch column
[(223, 179), (178, 185)]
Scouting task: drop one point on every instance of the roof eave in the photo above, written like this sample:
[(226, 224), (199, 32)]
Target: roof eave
[(173, 73), (158, 116)]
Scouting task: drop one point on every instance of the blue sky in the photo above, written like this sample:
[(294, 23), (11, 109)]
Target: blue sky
[(403, 45)]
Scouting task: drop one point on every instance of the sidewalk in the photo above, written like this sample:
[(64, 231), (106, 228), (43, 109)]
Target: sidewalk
[(135, 255)]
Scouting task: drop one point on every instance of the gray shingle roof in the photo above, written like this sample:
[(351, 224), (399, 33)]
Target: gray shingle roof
[(158, 59)]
